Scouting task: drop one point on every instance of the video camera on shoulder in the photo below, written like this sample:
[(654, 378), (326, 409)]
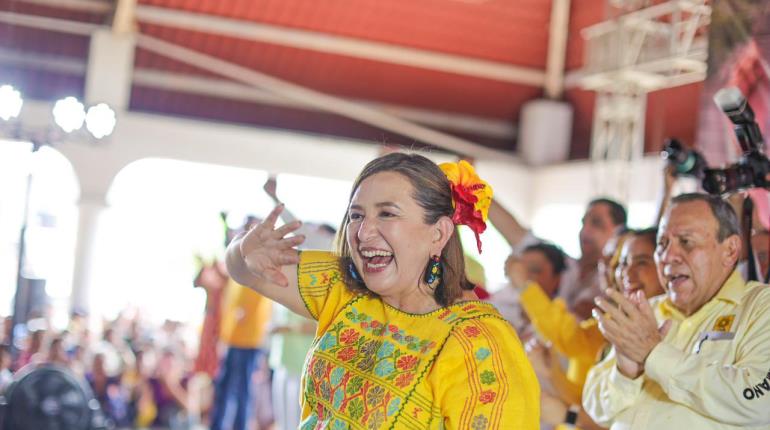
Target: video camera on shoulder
[(748, 172)]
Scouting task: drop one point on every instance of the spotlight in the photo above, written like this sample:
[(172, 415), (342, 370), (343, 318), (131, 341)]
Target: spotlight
[(69, 114), (100, 120), (10, 102)]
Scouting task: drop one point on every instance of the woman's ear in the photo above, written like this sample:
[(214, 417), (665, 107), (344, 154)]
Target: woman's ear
[(442, 232)]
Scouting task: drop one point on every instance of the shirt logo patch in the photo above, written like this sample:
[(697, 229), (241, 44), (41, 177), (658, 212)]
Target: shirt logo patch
[(724, 323)]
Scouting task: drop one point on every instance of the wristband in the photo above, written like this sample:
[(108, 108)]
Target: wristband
[(572, 415)]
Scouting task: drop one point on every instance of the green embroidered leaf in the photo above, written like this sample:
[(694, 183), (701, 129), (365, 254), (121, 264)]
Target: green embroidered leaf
[(354, 385), (356, 408)]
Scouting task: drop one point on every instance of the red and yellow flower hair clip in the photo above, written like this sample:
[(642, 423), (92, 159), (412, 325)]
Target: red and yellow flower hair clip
[(471, 197)]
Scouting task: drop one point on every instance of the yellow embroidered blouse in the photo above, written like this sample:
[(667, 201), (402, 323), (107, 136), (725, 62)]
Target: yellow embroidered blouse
[(373, 366)]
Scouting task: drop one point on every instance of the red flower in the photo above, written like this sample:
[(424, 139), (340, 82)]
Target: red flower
[(375, 324), (349, 336), (406, 362), (364, 325), (404, 379), (393, 329), (471, 331), (465, 211), (346, 353), (487, 396)]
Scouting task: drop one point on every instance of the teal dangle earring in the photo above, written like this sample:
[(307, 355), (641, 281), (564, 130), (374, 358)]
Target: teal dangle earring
[(433, 273), (354, 273)]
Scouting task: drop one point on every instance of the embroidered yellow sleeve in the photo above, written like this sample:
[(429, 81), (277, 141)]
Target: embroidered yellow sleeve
[(321, 286), (484, 380)]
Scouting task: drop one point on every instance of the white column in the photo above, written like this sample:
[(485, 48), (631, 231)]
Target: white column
[(90, 210), (110, 64), (557, 48)]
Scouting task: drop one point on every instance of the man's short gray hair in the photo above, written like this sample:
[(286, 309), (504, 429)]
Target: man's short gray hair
[(722, 211)]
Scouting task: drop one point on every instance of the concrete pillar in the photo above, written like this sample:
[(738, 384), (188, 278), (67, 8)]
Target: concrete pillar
[(90, 210)]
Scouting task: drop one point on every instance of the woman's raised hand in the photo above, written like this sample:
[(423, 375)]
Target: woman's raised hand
[(265, 249)]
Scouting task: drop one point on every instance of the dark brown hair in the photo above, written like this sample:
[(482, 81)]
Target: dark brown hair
[(431, 191)]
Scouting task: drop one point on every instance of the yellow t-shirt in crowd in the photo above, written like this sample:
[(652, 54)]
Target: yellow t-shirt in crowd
[(578, 341), (712, 370), (245, 317), (373, 366)]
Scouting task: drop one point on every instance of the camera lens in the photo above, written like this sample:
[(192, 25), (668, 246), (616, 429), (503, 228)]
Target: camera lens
[(733, 178)]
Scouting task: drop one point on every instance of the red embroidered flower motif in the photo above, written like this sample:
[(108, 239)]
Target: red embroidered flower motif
[(393, 329), (349, 336), (472, 331), (406, 362), (375, 324), (487, 396), (347, 353), (404, 379), (364, 325)]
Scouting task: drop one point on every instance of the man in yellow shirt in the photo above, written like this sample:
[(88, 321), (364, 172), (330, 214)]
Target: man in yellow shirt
[(245, 319), (699, 356)]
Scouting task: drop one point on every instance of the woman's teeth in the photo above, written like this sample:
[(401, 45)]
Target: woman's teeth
[(376, 266), (376, 259), (376, 253)]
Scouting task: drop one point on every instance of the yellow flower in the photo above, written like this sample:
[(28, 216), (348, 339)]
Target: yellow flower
[(471, 197), (463, 175)]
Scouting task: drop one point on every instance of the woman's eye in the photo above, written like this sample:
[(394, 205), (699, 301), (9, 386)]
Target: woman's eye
[(355, 216), (387, 214)]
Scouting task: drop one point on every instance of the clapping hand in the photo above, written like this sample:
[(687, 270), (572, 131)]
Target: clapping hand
[(630, 326)]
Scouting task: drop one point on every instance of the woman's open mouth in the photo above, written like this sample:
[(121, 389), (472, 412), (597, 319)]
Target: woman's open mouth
[(375, 260)]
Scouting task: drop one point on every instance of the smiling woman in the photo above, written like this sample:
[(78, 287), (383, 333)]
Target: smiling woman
[(402, 340)]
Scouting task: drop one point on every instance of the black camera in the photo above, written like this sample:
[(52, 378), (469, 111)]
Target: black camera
[(749, 171), (686, 162)]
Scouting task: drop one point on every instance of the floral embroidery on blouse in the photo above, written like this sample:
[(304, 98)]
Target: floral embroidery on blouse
[(374, 367)]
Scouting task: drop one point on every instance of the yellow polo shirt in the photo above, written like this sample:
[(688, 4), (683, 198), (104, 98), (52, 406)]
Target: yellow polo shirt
[(712, 371)]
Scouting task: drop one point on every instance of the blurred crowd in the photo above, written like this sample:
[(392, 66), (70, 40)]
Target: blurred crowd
[(141, 374)]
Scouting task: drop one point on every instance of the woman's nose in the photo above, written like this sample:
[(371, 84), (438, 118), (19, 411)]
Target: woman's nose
[(366, 230)]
